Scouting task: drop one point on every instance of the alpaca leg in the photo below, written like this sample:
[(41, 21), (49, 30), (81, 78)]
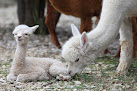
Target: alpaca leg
[(39, 74), (60, 70), (134, 26), (34, 76), (118, 53), (134, 23), (51, 23), (11, 77), (86, 24), (126, 42)]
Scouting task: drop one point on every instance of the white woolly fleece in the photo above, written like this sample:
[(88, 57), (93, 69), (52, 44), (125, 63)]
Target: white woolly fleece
[(115, 16), (32, 68)]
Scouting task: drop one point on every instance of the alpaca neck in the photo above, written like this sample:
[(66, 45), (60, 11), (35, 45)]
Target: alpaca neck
[(108, 26), (20, 54)]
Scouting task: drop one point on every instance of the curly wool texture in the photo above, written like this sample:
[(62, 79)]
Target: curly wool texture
[(31, 68), (115, 18)]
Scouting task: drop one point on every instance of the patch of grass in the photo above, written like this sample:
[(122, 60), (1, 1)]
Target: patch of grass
[(4, 72), (101, 77), (108, 77), (107, 60)]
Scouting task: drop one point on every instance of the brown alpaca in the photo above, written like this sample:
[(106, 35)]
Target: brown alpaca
[(84, 9), (134, 26)]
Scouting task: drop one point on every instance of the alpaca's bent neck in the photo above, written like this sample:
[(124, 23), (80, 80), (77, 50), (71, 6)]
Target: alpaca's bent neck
[(20, 54), (111, 18)]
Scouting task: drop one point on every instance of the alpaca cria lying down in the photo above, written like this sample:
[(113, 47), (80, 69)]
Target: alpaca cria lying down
[(31, 68)]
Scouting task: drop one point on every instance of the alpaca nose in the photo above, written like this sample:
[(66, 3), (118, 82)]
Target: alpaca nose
[(69, 72), (19, 37)]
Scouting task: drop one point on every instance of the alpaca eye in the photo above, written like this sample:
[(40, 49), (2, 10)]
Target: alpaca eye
[(26, 34), (77, 60)]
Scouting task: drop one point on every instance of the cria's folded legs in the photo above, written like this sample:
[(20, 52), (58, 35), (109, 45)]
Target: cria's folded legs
[(61, 70), (58, 68), (33, 76), (126, 42)]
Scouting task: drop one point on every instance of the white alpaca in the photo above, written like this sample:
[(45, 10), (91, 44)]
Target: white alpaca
[(81, 49), (32, 69)]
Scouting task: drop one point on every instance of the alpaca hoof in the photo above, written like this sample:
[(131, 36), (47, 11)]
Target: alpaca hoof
[(121, 72), (63, 78), (55, 41), (11, 77), (20, 78), (122, 68)]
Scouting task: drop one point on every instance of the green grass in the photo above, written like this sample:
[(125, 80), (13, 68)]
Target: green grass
[(108, 76), (4, 71), (102, 76)]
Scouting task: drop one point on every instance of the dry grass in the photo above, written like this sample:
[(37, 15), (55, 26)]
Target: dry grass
[(98, 76)]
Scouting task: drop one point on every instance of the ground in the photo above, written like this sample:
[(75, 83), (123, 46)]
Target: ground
[(97, 76)]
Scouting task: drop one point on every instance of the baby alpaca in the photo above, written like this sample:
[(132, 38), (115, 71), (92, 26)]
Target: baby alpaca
[(32, 69)]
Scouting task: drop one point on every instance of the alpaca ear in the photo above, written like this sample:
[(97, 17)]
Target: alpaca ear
[(84, 40), (75, 30), (34, 28)]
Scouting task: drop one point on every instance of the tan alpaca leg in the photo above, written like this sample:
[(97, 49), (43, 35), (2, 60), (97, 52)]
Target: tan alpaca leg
[(126, 42), (11, 77)]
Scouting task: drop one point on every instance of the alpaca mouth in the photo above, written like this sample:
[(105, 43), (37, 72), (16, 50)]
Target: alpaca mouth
[(19, 39)]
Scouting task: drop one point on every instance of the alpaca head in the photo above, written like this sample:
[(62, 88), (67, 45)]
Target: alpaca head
[(22, 33), (75, 51)]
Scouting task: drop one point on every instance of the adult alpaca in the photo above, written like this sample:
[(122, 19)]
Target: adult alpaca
[(83, 9), (81, 49)]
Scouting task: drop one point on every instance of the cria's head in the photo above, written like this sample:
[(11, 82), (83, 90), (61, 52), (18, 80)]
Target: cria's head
[(22, 33), (74, 51)]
